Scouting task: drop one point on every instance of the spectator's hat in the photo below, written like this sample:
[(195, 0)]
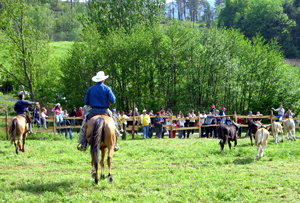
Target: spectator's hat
[(144, 110), (100, 77), (290, 111), (213, 106), (203, 112), (250, 111), (113, 110), (223, 108), (58, 104)]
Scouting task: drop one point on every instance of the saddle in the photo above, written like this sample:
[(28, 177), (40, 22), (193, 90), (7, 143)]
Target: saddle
[(26, 116)]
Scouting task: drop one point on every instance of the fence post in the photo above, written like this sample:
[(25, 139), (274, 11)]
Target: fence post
[(54, 125), (133, 125), (6, 125), (271, 116), (235, 116), (171, 126), (199, 124)]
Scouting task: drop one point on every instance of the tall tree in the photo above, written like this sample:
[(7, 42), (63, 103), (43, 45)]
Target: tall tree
[(27, 47)]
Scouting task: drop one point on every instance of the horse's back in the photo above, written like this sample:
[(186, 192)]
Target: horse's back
[(109, 129), (21, 123)]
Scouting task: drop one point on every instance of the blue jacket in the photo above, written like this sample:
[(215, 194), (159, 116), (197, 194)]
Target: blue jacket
[(156, 120), (100, 95), (22, 105)]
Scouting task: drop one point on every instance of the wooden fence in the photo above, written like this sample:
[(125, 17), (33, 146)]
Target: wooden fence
[(134, 128)]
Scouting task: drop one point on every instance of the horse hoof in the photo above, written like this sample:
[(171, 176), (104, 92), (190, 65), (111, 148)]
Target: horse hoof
[(93, 175), (23, 150), (110, 180), (102, 176)]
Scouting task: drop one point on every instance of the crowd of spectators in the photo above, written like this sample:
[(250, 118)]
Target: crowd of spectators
[(157, 120)]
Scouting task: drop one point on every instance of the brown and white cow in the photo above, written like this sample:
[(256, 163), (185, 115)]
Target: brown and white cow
[(289, 127), (276, 129), (261, 140)]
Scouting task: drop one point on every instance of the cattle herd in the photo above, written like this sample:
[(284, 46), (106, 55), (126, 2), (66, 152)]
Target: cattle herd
[(228, 133)]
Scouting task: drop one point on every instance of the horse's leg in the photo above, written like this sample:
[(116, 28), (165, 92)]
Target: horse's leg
[(229, 143), (103, 152), (109, 161), (24, 140), (17, 147)]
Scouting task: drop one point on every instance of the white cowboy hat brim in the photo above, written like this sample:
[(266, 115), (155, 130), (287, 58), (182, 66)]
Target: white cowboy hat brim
[(99, 79)]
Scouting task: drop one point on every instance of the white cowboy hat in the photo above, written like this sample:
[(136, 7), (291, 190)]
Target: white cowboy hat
[(100, 77)]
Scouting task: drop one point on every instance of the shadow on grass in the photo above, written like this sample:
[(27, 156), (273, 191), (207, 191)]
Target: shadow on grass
[(48, 187), (242, 161)]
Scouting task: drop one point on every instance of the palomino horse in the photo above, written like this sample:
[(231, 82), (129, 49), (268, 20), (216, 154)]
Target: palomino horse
[(101, 135), (18, 128)]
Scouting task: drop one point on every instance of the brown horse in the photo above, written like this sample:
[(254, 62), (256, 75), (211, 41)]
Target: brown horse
[(18, 128), (101, 135)]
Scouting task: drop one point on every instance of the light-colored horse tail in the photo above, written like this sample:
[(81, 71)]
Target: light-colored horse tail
[(14, 127), (97, 136)]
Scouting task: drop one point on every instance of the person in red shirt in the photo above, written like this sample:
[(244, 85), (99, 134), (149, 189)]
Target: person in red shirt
[(79, 113), (240, 121)]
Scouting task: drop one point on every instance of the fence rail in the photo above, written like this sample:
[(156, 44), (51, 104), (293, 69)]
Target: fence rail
[(133, 128)]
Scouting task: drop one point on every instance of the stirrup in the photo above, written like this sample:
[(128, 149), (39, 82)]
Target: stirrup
[(81, 148)]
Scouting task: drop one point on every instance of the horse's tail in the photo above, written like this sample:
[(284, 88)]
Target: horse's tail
[(14, 129), (97, 135)]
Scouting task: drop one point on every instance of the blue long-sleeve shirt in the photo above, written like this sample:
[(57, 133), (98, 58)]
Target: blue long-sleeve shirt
[(100, 95), (22, 105)]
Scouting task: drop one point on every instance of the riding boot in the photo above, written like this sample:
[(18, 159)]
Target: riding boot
[(30, 128), (82, 139)]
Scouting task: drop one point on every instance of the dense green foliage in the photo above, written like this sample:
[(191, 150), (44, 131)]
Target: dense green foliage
[(182, 67), (151, 65), (156, 170), (277, 19)]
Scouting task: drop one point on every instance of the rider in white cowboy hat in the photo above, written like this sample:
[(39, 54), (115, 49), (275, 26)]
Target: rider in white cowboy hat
[(99, 97)]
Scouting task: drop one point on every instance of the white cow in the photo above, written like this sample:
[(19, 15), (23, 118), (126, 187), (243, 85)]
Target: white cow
[(261, 140), (289, 127), (276, 129)]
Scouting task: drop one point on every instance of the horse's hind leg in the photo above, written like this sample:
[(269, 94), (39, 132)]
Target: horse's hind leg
[(103, 152), (109, 161), (17, 147), (24, 140)]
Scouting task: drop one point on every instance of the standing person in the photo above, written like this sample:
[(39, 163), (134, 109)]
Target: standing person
[(21, 108), (158, 124), (99, 97), (213, 108), (250, 115), (79, 113), (57, 110), (36, 115), (240, 121), (258, 119), (65, 114), (192, 120), (228, 121), (124, 119), (222, 113), (181, 122), (73, 114), (202, 121), (280, 111), (208, 121), (44, 116), (168, 121), (146, 122), (289, 114), (187, 124), (162, 114), (68, 123), (176, 125)]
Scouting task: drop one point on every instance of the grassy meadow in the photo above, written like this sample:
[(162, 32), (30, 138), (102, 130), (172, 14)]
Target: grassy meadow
[(153, 170)]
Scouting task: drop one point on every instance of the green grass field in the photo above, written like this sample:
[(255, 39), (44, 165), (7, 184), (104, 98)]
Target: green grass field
[(156, 170)]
